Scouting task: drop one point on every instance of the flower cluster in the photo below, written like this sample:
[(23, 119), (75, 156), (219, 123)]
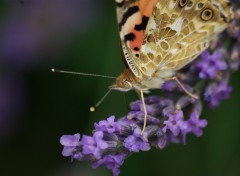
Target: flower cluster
[(169, 118), (112, 141)]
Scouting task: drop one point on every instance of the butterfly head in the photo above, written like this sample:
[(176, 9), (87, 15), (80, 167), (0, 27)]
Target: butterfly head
[(124, 82)]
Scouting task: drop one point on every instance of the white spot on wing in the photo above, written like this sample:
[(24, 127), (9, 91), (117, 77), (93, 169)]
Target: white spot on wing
[(171, 5), (177, 25), (130, 24)]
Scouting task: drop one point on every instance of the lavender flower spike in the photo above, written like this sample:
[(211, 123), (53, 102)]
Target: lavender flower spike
[(113, 141)]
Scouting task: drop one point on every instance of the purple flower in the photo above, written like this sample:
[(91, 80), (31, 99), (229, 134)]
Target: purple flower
[(161, 139), (138, 107), (196, 125), (139, 116), (136, 142), (210, 64), (111, 162), (108, 125), (172, 86), (215, 92), (70, 142), (94, 145), (174, 123), (169, 86)]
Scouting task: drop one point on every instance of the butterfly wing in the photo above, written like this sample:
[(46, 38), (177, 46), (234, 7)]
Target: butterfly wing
[(178, 31), (133, 16)]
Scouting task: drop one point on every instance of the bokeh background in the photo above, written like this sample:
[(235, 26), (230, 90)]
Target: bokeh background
[(37, 106)]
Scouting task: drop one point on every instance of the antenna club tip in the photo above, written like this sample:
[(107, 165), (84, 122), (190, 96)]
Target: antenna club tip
[(92, 109), (53, 70)]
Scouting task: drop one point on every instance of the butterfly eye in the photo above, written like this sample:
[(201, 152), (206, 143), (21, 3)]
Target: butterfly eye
[(182, 3), (207, 14)]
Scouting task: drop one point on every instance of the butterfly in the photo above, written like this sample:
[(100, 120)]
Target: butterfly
[(159, 37)]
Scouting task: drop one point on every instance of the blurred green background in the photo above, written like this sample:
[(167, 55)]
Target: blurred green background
[(37, 106)]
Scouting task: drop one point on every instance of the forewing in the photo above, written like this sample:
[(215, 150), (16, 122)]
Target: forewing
[(178, 31), (133, 16)]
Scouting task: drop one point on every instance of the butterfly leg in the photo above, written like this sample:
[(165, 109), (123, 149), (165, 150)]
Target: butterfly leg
[(184, 89), (145, 111)]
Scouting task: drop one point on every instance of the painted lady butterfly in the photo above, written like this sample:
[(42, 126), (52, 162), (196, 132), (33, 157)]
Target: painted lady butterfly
[(159, 37)]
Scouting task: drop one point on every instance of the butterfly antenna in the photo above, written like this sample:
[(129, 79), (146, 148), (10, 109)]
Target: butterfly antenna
[(79, 73), (93, 108)]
